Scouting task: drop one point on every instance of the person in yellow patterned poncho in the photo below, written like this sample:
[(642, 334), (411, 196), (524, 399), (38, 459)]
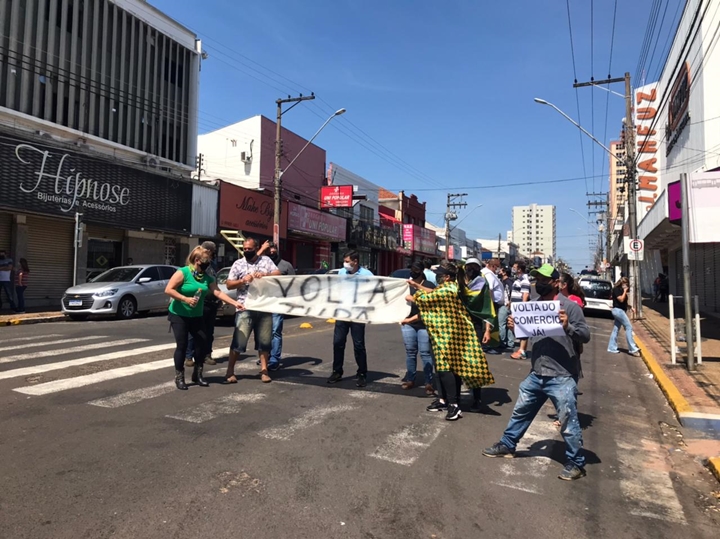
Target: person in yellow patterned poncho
[(456, 349)]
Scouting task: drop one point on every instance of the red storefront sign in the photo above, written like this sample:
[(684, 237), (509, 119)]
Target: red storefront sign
[(249, 211), (336, 196), (419, 239), (316, 223)]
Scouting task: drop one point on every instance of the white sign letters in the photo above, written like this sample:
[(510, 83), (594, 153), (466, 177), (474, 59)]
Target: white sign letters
[(358, 298), (537, 319)]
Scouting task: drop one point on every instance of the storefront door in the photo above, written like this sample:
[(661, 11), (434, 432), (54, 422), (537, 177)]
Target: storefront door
[(103, 255)]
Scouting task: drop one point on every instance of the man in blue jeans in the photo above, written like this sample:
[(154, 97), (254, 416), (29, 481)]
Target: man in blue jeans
[(554, 376), (351, 269)]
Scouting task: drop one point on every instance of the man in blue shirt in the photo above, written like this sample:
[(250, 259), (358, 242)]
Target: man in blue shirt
[(351, 268), (429, 273)]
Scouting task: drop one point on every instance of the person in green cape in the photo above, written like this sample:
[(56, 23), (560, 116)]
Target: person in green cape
[(457, 350)]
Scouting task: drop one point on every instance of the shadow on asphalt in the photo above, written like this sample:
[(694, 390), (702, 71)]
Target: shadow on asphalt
[(555, 450)]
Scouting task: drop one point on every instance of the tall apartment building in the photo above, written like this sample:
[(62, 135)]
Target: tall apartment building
[(617, 195), (98, 122), (534, 231)]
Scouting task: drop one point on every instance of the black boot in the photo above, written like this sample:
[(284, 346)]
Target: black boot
[(197, 375), (180, 379)]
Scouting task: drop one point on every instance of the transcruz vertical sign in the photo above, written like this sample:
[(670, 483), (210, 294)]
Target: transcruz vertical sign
[(44, 179), (647, 152)]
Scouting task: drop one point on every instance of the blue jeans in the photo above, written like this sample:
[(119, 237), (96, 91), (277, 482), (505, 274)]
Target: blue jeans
[(507, 337), (417, 340), (357, 331), (278, 320), (20, 293), (622, 320), (7, 287), (534, 391)]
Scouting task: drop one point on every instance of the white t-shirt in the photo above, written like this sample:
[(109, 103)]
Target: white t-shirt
[(498, 290), (5, 274)]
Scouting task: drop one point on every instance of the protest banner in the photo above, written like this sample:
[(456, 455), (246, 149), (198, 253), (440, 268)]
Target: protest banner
[(357, 298), (537, 319)]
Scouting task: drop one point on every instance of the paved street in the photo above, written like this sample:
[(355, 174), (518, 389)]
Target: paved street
[(98, 443)]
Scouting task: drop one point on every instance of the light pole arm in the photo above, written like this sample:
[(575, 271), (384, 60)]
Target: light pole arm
[(338, 113)]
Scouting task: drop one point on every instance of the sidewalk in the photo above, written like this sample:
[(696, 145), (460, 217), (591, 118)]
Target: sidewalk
[(8, 318), (695, 396)]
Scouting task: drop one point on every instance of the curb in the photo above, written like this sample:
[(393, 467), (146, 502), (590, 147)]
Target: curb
[(39, 320), (714, 465)]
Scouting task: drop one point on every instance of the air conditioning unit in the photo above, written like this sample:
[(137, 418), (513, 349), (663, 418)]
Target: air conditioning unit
[(151, 161), (245, 157)]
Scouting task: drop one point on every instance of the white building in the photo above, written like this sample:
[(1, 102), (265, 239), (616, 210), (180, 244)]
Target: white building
[(534, 231), (508, 250)]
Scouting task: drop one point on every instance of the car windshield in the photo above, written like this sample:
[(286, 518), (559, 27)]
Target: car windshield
[(597, 289), (222, 275), (117, 275)]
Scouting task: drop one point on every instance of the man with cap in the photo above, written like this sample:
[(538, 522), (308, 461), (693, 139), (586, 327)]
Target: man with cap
[(554, 375), (210, 308), (285, 268)]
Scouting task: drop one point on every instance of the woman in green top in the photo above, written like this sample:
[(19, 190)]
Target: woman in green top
[(188, 288)]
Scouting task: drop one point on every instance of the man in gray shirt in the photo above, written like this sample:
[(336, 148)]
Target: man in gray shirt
[(554, 375), (286, 268)]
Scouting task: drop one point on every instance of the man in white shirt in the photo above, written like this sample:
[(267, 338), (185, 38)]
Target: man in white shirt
[(497, 290), (6, 266)]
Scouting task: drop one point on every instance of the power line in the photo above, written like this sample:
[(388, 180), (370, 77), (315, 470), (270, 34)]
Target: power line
[(577, 95), (607, 97)]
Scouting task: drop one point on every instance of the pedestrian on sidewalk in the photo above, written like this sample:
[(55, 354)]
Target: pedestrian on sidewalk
[(554, 375), (22, 278), (210, 309), (619, 311), (416, 338), (6, 267), (507, 337), (456, 348), (189, 287), (286, 268), (242, 273), (351, 269), (520, 293)]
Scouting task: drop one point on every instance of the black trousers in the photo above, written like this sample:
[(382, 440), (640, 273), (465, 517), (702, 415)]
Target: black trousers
[(450, 385), (357, 331), (182, 326)]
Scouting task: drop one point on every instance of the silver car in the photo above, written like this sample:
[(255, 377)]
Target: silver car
[(221, 278), (122, 291)]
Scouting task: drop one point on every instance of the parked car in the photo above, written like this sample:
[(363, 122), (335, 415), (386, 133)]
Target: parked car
[(92, 274), (598, 293), (221, 278), (122, 291)]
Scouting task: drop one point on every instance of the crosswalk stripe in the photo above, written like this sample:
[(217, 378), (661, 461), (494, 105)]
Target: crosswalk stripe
[(405, 446), (49, 343), (25, 339), (73, 350), (89, 379), (308, 419), (37, 369), (226, 405)]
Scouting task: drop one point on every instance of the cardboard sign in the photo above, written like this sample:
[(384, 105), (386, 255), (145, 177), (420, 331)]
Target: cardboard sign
[(353, 298), (537, 319)]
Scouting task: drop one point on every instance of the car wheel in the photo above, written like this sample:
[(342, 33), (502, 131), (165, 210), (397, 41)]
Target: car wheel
[(78, 317), (126, 308)]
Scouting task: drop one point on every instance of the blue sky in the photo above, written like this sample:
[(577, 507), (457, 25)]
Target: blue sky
[(439, 95)]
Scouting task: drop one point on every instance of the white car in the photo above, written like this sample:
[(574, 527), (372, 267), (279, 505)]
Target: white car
[(598, 293)]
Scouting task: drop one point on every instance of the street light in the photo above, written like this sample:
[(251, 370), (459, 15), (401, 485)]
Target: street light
[(279, 174)]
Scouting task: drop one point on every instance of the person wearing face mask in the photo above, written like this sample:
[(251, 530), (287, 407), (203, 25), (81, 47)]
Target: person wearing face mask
[(520, 292), (498, 296), (210, 308), (415, 336), (242, 273), (351, 268), (554, 375), (285, 268), (456, 348), (189, 287)]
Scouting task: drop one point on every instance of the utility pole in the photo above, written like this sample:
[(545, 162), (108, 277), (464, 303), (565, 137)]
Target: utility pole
[(451, 216), (630, 178), (499, 244), (278, 167), (199, 162), (687, 290)]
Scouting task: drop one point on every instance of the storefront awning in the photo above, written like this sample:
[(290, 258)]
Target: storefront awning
[(389, 220)]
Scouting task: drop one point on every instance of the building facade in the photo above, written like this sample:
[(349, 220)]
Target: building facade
[(534, 231), (98, 108)]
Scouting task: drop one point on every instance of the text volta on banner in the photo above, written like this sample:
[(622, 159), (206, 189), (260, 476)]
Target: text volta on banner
[(353, 298), (537, 319)]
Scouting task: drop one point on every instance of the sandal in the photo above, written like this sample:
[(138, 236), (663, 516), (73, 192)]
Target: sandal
[(265, 377), (230, 379)]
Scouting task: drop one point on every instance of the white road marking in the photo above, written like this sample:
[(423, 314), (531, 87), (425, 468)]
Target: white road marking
[(308, 419), (405, 446), (48, 343), (73, 350), (363, 394), (23, 339), (89, 379), (229, 404), (29, 371), (645, 484)]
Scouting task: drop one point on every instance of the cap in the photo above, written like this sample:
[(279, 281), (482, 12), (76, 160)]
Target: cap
[(546, 270), (473, 261)]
